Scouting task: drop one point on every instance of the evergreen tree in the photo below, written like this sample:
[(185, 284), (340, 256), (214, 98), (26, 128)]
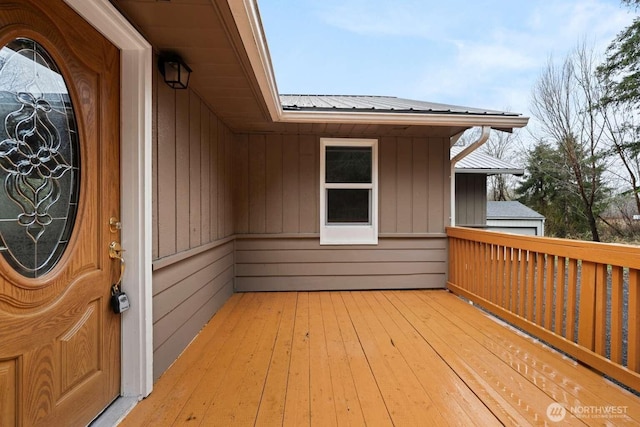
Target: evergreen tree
[(547, 188), (621, 69)]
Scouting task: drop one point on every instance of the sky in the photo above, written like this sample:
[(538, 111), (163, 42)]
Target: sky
[(484, 54)]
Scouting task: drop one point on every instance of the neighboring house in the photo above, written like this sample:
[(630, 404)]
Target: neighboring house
[(514, 217), (474, 210), (471, 185), (621, 210), (223, 187)]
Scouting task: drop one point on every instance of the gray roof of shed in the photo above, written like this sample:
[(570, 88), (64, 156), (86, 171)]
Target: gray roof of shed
[(478, 162), (383, 104), (510, 210)]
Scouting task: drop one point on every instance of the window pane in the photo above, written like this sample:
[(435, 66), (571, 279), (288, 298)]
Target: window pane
[(348, 206), (348, 165)]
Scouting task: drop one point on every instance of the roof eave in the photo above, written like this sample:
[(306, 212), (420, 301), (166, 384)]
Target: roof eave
[(491, 171), (251, 31), (249, 25), (516, 218)]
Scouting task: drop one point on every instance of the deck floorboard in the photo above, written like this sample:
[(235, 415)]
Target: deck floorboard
[(372, 358)]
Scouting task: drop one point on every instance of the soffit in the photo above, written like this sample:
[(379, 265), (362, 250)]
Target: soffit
[(359, 130), (204, 34)]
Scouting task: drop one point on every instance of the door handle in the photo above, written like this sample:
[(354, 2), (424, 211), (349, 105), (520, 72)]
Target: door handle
[(115, 252)]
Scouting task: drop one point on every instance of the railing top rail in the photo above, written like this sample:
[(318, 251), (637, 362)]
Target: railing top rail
[(603, 253)]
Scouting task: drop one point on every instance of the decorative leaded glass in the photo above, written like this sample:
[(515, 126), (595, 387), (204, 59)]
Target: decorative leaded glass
[(39, 159)]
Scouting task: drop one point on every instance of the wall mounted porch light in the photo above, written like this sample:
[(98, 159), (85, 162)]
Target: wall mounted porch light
[(174, 71)]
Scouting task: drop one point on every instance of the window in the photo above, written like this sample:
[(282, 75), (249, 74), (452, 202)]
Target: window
[(348, 191)]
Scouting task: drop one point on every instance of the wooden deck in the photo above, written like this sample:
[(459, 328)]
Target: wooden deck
[(373, 358)]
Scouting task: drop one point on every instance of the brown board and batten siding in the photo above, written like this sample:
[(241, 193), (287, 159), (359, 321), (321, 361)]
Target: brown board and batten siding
[(193, 246), (276, 194)]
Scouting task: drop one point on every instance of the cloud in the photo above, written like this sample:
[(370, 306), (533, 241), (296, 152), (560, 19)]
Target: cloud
[(437, 20), (486, 54), (494, 56), (404, 18), (500, 66)]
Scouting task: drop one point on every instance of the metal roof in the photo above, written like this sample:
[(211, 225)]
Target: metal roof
[(383, 104), (510, 210), (477, 162)]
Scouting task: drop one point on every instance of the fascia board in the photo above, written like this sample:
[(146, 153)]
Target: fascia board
[(516, 218), (491, 171), (464, 120), (245, 13)]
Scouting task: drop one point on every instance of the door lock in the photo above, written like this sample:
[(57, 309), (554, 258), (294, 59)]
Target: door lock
[(119, 299), (114, 225)]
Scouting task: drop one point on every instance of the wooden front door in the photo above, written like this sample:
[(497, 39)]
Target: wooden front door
[(59, 188)]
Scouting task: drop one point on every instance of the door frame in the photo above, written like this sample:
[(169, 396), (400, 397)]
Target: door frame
[(136, 189)]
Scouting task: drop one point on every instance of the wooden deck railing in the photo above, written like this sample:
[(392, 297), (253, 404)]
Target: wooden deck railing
[(581, 297)]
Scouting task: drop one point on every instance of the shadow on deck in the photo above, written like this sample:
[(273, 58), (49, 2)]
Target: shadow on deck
[(374, 358)]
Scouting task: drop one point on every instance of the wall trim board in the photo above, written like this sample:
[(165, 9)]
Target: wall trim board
[(181, 256), (317, 236)]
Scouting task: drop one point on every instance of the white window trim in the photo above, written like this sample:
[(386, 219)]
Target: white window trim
[(349, 234)]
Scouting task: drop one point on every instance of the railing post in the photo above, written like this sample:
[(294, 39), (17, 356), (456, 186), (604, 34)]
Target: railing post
[(539, 286), (560, 312), (617, 295), (522, 258), (586, 321), (633, 353), (548, 289), (531, 274), (572, 282), (600, 331)]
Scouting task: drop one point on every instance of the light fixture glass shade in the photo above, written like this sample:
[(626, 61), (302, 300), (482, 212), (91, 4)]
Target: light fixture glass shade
[(175, 72)]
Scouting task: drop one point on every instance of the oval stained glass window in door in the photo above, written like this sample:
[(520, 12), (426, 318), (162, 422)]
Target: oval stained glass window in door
[(39, 159)]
